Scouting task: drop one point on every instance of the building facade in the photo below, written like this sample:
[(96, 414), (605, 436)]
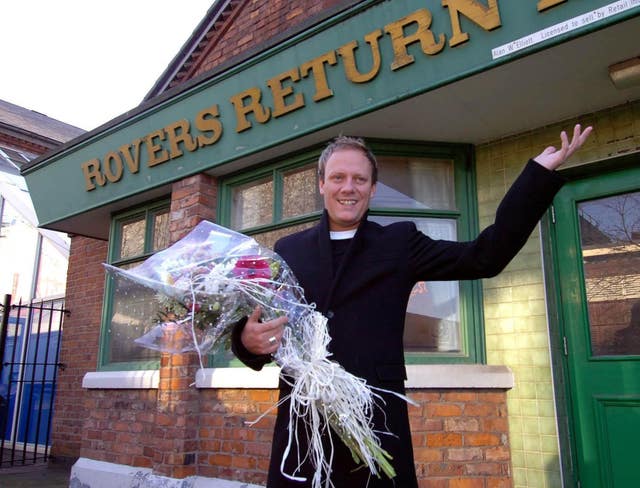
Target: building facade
[(33, 264), (25, 135), (526, 379)]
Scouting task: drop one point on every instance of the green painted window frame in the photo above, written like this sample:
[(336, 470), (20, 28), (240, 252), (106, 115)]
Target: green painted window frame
[(148, 211), (466, 216)]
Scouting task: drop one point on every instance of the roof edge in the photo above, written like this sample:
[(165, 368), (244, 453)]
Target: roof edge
[(188, 48)]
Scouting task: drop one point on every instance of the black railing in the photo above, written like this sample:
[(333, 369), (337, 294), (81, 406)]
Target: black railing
[(29, 348)]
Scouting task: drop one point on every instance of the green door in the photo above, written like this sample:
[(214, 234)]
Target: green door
[(597, 255)]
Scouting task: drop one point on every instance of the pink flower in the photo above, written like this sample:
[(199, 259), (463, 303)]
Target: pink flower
[(252, 267)]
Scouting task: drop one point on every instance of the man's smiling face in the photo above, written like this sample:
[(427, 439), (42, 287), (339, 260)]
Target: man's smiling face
[(347, 188)]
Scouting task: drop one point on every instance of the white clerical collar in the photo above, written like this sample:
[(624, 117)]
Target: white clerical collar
[(343, 234)]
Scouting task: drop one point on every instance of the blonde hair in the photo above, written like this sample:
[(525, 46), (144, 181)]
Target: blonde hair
[(347, 142)]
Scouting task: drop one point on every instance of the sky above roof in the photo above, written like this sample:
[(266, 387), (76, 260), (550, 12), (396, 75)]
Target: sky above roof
[(85, 63)]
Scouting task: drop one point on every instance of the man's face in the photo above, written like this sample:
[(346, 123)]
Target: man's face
[(347, 188)]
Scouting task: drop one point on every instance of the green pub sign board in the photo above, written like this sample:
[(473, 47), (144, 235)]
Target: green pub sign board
[(374, 55)]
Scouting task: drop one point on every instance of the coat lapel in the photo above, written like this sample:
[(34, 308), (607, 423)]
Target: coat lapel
[(325, 261), (324, 245)]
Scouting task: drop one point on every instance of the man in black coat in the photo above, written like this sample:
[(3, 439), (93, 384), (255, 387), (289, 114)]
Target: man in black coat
[(360, 275)]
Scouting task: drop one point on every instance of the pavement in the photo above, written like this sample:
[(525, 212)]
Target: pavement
[(42, 475)]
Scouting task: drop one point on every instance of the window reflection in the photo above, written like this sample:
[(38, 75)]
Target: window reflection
[(610, 238), (252, 204), (432, 321), (412, 182)]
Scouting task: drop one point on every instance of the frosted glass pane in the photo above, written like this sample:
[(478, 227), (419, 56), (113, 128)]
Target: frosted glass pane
[(300, 195), (252, 204), (132, 243)]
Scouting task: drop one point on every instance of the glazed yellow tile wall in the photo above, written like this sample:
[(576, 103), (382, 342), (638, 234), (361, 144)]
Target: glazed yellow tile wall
[(517, 333)]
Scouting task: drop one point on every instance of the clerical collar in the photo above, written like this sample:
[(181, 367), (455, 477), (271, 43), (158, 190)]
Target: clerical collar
[(343, 234)]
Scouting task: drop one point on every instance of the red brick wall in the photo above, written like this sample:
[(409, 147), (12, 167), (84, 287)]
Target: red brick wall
[(80, 340), (175, 434), (229, 448), (193, 199), (119, 426), (249, 23), (461, 438), (176, 420)]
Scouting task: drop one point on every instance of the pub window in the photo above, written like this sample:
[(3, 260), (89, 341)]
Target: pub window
[(135, 235), (430, 184)]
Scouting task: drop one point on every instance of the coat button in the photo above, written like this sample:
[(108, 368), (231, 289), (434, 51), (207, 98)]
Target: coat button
[(330, 314)]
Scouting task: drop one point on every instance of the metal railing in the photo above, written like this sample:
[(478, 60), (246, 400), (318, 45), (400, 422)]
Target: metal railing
[(30, 337)]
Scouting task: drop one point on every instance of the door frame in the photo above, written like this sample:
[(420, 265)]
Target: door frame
[(564, 384)]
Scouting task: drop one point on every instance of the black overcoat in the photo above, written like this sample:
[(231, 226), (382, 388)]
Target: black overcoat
[(365, 300)]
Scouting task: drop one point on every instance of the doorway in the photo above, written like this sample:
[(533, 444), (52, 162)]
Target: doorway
[(595, 241)]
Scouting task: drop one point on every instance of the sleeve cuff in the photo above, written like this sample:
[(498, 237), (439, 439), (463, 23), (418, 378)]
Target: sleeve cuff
[(254, 361)]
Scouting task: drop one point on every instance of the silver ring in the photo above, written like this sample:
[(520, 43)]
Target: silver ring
[(272, 340)]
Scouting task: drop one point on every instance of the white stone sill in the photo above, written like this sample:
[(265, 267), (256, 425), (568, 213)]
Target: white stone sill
[(122, 380), (100, 474), (419, 376)]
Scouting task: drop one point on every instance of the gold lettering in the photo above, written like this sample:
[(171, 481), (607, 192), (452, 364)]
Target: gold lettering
[(253, 96), (206, 121), (132, 160), (155, 152), (545, 4), (281, 92), (486, 17), (178, 132), (347, 53), (91, 170), (423, 35), (113, 157), (316, 66)]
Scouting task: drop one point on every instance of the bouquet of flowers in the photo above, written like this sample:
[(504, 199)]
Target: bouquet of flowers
[(213, 277)]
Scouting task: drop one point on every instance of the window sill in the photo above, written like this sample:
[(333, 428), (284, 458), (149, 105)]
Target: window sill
[(419, 376), (459, 376), (139, 380)]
